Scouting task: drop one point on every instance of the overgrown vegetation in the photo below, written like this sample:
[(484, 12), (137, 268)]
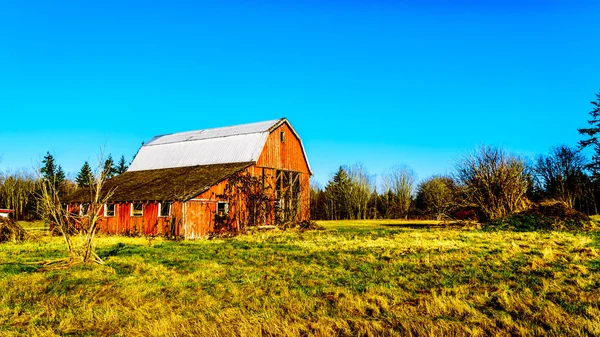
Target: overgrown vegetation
[(11, 231), (78, 229), (251, 200), (551, 215), (354, 278)]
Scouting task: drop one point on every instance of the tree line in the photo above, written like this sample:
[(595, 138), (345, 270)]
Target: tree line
[(19, 190), (487, 184)]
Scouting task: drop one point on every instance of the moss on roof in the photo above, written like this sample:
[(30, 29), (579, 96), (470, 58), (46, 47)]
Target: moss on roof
[(180, 183)]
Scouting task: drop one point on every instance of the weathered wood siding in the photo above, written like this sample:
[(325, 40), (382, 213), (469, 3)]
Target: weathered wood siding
[(195, 218), (147, 224), (288, 156)]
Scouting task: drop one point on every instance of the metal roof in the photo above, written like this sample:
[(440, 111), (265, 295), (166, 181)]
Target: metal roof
[(232, 144)]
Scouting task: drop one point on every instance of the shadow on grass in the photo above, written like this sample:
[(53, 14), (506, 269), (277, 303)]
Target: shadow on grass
[(17, 268), (420, 225), (112, 251)]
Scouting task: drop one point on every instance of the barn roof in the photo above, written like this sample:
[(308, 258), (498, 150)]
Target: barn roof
[(181, 183), (232, 144)]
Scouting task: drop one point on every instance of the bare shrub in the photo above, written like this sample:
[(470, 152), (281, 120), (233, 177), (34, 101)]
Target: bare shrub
[(436, 195), (77, 229), (561, 174), (494, 181), (11, 231)]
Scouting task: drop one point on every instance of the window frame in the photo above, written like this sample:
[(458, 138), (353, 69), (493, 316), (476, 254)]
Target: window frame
[(160, 209), (114, 212), (225, 208), (132, 208), (83, 206)]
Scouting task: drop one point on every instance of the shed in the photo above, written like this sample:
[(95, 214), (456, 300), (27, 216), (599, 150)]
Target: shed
[(6, 213)]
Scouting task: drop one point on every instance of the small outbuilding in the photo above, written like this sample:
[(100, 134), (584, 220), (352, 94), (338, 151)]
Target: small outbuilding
[(6, 213), (179, 184)]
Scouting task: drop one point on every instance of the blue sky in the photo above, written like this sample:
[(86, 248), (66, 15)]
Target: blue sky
[(417, 83)]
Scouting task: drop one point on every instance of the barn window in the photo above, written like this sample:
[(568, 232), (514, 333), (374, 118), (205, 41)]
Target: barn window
[(164, 209), (84, 209), (137, 209), (222, 208), (109, 210), (73, 211), (282, 136)]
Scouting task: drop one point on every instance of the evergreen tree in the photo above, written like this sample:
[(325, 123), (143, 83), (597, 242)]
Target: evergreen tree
[(60, 176), (51, 173), (109, 167), (49, 169), (122, 166), (592, 133), (85, 176), (337, 191)]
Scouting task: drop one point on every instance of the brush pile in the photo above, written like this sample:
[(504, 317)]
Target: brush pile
[(11, 231), (550, 215)]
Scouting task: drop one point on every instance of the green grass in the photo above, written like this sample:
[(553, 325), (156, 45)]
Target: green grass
[(354, 278), (32, 225)]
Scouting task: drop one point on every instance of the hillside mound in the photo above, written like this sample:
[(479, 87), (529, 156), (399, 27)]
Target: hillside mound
[(545, 216), (11, 231)]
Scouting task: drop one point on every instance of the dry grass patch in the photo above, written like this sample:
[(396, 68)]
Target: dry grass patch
[(350, 279)]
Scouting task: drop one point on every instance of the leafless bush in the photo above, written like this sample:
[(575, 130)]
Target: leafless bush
[(11, 231), (77, 229), (437, 195), (494, 181)]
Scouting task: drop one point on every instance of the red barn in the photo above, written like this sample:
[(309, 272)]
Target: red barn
[(177, 184)]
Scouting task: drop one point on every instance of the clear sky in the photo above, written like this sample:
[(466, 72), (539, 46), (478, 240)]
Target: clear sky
[(384, 83)]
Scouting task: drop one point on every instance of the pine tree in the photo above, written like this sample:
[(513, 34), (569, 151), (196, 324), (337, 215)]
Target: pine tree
[(592, 133), (85, 176), (337, 191), (122, 166), (109, 167), (49, 169), (60, 176), (51, 173)]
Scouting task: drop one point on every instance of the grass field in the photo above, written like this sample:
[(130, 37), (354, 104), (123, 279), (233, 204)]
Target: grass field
[(354, 278)]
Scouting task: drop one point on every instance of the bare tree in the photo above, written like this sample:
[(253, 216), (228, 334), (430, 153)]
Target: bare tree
[(561, 174), (494, 181), (360, 190), (78, 229), (17, 191), (437, 195), (398, 185)]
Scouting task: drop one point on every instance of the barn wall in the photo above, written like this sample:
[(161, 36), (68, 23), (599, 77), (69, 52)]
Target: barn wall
[(148, 224), (199, 219), (287, 155)]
